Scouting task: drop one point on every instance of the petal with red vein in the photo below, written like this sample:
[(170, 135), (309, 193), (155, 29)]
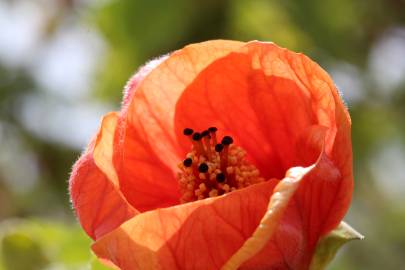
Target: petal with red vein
[(199, 235), (269, 225), (147, 150), (306, 216), (256, 96)]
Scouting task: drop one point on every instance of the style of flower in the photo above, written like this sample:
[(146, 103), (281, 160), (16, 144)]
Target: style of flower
[(225, 155)]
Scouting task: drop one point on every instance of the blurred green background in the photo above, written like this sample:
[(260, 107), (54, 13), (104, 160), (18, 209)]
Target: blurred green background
[(63, 64)]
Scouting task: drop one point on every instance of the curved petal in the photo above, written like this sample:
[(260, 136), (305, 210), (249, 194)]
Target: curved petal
[(99, 205), (302, 224), (103, 147), (269, 224), (339, 151), (265, 97), (198, 235), (307, 197), (146, 149)]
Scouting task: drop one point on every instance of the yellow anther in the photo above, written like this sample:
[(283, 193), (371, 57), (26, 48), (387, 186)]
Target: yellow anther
[(224, 172), (232, 160), (202, 187), (226, 187), (213, 193)]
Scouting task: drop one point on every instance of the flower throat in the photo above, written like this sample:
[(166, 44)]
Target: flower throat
[(214, 168)]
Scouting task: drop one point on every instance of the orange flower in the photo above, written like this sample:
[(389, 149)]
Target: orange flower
[(285, 174)]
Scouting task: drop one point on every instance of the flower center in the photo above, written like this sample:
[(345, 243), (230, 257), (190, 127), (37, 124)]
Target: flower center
[(214, 168)]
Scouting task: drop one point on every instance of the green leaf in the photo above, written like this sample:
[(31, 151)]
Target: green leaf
[(330, 244)]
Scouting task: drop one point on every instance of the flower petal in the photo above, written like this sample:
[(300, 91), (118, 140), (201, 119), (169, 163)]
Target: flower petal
[(308, 195), (103, 147), (198, 235), (265, 97), (305, 218), (146, 149), (269, 224), (99, 205)]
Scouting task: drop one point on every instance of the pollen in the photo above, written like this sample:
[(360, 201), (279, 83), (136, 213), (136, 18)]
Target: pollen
[(213, 169)]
